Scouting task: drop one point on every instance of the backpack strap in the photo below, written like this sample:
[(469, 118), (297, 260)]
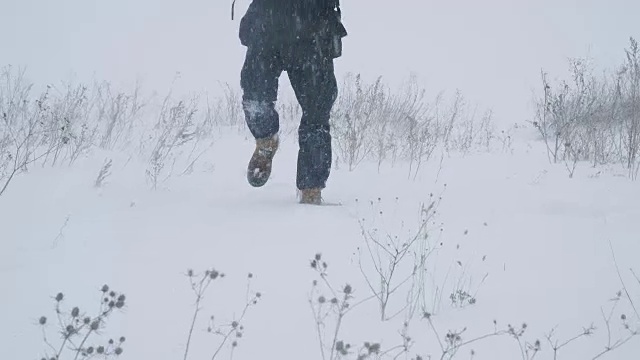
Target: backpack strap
[(233, 5)]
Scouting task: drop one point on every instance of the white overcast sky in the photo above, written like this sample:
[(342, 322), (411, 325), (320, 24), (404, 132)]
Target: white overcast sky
[(492, 50)]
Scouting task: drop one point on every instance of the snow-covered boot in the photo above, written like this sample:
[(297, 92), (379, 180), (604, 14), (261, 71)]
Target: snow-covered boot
[(259, 168), (311, 196)]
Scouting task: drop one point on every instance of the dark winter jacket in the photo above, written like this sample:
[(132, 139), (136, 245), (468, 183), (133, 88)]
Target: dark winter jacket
[(278, 23)]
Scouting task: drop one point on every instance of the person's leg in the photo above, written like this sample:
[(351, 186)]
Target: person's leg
[(259, 82), (314, 83)]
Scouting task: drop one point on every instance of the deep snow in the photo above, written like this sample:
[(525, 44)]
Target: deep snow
[(541, 239)]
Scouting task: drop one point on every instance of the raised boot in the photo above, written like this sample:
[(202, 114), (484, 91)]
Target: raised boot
[(311, 196), (259, 168)]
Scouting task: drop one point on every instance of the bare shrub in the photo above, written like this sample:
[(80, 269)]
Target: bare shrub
[(373, 122), (330, 306), (629, 85), (77, 329), (117, 112), (229, 333), (68, 124), (593, 118), (23, 141), (355, 112), (395, 263), (176, 127), (223, 111)]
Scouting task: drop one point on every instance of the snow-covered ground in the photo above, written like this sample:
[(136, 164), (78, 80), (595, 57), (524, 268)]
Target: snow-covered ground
[(512, 236)]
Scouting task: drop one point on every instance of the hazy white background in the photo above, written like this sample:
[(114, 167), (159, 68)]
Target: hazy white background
[(492, 50)]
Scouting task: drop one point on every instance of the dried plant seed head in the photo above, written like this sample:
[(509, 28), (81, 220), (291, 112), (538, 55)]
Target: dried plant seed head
[(234, 324), (86, 320), (190, 273), (119, 304), (75, 312), (250, 275), (258, 295), (59, 297), (238, 334), (322, 299), (70, 329), (623, 317), (122, 298), (100, 349), (334, 301), (347, 289), (95, 325), (315, 283), (90, 350), (318, 257), (122, 339), (314, 264), (214, 274), (118, 351), (234, 344), (42, 320), (111, 341), (112, 304), (112, 294), (105, 288), (105, 300), (209, 329)]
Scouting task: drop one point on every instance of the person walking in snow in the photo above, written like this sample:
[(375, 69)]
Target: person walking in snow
[(301, 37)]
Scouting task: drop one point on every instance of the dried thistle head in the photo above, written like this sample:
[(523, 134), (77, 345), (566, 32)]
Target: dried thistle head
[(42, 320), (214, 274), (70, 330), (347, 289)]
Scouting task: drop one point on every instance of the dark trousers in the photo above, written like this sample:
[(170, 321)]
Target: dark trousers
[(313, 80)]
